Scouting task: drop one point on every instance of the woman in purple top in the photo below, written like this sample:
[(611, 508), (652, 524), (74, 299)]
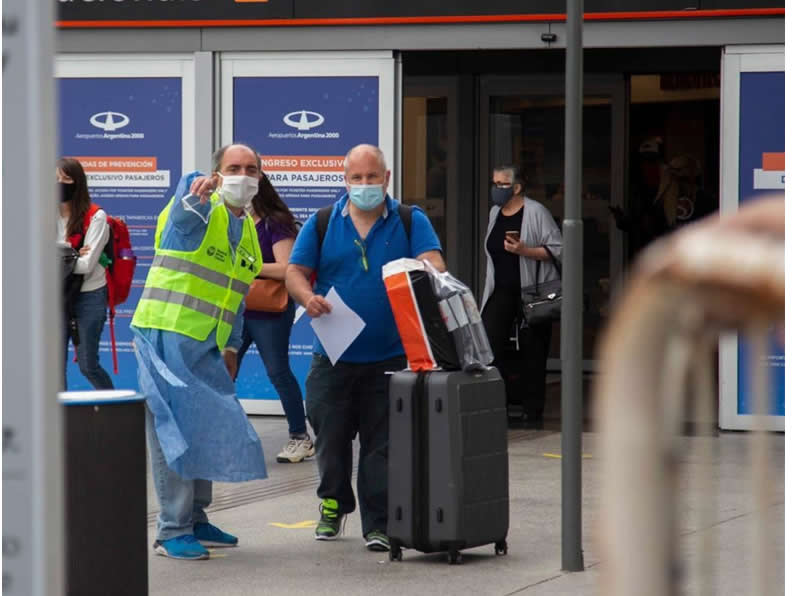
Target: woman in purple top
[(277, 231)]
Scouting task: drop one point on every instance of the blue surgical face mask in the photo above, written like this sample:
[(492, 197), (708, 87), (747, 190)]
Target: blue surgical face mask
[(366, 196), (500, 196)]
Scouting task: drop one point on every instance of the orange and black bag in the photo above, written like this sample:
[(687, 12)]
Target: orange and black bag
[(427, 342)]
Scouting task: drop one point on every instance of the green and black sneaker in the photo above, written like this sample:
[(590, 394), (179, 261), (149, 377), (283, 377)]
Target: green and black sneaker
[(377, 541), (331, 524)]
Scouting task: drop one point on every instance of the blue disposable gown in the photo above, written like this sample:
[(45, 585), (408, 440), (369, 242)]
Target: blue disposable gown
[(201, 426)]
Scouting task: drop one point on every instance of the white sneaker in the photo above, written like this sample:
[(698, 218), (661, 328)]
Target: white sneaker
[(296, 450)]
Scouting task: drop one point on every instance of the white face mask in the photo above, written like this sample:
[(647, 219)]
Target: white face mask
[(237, 191)]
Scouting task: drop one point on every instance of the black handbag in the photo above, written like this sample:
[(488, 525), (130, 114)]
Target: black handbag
[(71, 284), (542, 303)]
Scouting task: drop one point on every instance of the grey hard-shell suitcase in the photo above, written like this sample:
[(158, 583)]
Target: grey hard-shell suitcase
[(447, 462)]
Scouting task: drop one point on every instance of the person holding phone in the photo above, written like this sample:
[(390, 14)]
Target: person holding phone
[(519, 231)]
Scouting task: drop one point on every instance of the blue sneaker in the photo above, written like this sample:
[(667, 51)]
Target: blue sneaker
[(183, 547), (210, 535)]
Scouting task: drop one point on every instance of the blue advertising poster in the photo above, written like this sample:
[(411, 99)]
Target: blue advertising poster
[(302, 127), (761, 173), (127, 134)]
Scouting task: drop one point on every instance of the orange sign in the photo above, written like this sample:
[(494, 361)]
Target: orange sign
[(773, 161), (118, 164)]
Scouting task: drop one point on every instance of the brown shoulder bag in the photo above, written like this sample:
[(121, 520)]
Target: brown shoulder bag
[(267, 295)]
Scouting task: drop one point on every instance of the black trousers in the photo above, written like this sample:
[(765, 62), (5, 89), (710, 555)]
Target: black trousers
[(343, 401), (499, 316)]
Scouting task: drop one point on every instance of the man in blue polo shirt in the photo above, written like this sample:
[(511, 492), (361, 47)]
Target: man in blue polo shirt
[(364, 232)]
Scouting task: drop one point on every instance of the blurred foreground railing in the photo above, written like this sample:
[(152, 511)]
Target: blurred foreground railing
[(719, 275)]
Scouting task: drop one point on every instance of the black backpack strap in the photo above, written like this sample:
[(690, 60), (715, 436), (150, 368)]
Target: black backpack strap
[(406, 215), (322, 221)]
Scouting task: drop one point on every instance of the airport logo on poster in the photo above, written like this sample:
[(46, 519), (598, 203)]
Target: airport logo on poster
[(109, 122), (300, 119), (304, 120)]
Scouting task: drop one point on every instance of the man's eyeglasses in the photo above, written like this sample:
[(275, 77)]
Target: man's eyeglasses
[(502, 184)]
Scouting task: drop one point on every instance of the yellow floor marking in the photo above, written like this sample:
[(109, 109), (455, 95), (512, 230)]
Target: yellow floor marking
[(558, 456), (215, 555), (309, 523)]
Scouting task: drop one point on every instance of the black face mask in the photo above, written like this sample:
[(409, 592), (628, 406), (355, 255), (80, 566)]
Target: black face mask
[(67, 191), (500, 196)]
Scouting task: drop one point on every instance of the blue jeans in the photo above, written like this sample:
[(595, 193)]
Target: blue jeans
[(271, 337), (90, 309), (343, 401), (182, 501)]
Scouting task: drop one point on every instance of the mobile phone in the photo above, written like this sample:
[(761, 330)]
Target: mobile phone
[(513, 234)]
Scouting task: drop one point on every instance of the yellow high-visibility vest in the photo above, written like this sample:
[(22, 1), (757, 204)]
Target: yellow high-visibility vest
[(195, 292)]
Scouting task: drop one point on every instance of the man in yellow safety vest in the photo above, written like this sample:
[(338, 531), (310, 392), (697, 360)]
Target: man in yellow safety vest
[(187, 330)]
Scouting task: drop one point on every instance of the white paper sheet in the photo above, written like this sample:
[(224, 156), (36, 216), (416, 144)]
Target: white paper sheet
[(338, 329)]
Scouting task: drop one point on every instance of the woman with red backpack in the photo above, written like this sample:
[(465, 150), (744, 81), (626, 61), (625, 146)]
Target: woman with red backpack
[(86, 310)]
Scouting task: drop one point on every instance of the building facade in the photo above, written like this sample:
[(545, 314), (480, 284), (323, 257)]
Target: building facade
[(447, 89)]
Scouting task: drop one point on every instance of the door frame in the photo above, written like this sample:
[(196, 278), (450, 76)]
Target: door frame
[(440, 86), (610, 85)]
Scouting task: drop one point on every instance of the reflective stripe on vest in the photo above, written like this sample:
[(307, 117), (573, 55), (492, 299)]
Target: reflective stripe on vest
[(204, 273), (172, 297)]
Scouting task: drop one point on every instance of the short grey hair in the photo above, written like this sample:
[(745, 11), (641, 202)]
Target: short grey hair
[(515, 173), (371, 149), (218, 155)]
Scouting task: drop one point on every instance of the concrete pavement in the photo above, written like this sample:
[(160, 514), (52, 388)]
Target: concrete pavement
[(274, 520)]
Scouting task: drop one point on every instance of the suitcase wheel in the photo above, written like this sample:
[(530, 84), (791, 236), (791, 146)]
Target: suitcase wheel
[(396, 551), (501, 548), (455, 557)]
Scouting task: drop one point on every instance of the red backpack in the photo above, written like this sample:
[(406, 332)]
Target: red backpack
[(121, 264)]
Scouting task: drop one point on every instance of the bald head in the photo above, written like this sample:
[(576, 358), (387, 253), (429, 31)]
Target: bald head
[(366, 152)]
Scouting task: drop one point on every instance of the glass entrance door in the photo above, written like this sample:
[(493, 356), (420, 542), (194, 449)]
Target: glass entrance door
[(522, 122), (429, 147)]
